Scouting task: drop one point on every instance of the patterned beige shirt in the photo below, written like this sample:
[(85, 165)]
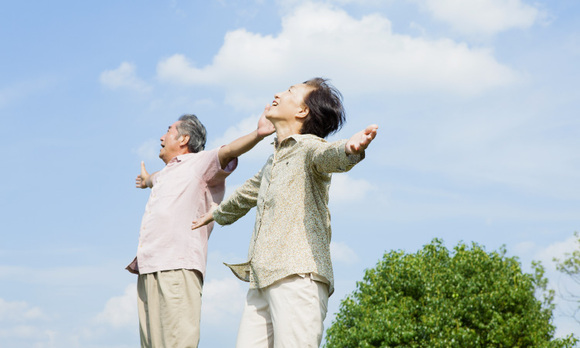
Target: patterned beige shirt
[(292, 230)]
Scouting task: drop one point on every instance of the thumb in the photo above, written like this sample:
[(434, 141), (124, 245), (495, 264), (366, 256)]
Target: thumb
[(143, 170)]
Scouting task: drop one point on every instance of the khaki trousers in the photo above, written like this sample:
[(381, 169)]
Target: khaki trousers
[(169, 305), (287, 314)]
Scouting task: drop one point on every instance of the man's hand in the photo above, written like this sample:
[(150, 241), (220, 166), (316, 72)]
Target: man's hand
[(205, 218), (142, 180), (265, 127), (361, 140)]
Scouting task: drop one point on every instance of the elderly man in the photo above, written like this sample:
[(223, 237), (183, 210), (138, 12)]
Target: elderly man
[(171, 259), (289, 267)]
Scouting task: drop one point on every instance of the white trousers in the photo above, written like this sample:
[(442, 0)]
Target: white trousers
[(169, 305), (287, 314)]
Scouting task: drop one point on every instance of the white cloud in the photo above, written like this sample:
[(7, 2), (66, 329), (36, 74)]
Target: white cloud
[(260, 152), (317, 39), (120, 311), (223, 301), (124, 77), (341, 252), (20, 331), (557, 250), (487, 17), (19, 311), (23, 322), (346, 189), (566, 288)]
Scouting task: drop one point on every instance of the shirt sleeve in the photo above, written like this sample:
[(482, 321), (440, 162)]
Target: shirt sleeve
[(332, 158), (215, 175), (239, 202)]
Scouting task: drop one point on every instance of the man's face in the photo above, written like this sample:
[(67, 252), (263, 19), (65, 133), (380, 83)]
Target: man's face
[(286, 105), (170, 143)]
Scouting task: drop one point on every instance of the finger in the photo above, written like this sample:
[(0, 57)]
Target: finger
[(370, 129), (369, 137), (197, 224), (373, 127)]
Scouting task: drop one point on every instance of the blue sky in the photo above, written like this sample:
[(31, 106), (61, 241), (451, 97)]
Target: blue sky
[(477, 103)]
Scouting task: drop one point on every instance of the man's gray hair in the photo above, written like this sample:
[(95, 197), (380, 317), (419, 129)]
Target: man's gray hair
[(190, 125)]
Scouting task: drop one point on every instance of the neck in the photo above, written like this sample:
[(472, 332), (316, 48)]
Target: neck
[(182, 151), (284, 130)]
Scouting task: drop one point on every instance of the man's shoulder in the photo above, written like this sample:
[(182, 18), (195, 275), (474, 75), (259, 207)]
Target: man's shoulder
[(200, 154)]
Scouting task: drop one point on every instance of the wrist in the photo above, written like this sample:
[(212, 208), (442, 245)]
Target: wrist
[(347, 149), (259, 136)]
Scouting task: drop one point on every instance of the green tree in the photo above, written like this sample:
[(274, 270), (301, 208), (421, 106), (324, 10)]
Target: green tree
[(570, 266), (437, 298)]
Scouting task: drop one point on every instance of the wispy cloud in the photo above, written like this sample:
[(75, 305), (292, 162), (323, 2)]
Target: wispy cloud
[(124, 77), (223, 300), (23, 89), (23, 322), (341, 252), (120, 311), (148, 150), (260, 152), (19, 311), (483, 17), (344, 188)]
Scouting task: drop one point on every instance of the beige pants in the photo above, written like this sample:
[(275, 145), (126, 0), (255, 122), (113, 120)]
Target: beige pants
[(289, 313), (169, 305)]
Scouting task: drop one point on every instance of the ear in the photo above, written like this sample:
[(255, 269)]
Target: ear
[(183, 140), (303, 112)]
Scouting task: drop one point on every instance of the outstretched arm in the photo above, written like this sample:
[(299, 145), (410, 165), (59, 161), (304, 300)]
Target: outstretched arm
[(361, 140), (143, 180), (235, 206), (247, 142)]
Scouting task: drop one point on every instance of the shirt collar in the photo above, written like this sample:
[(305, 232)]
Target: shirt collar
[(292, 139), (180, 158)]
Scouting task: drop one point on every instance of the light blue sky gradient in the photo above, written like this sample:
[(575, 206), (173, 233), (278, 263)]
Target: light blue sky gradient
[(477, 103)]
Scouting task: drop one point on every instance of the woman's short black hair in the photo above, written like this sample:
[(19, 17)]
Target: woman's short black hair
[(326, 113)]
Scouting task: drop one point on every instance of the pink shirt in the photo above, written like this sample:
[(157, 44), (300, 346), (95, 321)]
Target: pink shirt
[(182, 191)]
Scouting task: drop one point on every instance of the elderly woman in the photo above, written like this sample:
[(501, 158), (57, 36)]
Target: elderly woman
[(289, 266)]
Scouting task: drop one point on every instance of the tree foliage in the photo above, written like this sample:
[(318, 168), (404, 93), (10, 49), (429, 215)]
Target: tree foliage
[(438, 298), (570, 266)]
